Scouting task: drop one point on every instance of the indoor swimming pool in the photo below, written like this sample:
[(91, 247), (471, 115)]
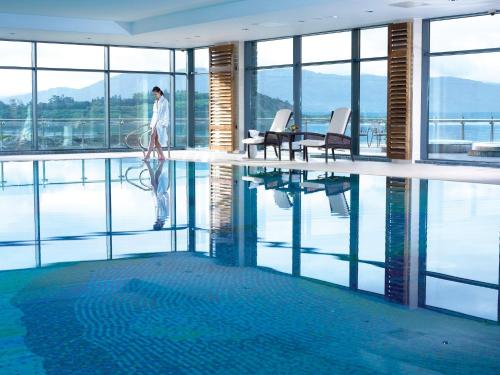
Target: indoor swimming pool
[(119, 266)]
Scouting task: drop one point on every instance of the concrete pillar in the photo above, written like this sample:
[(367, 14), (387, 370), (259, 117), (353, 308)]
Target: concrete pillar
[(241, 97)]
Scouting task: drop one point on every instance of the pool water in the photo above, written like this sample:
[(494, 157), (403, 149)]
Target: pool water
[(116, 266)]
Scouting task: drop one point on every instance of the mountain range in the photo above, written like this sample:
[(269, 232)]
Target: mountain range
[(320, 91)]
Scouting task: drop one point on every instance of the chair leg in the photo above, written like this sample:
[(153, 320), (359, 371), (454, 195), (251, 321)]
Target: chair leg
[(248, 150), (333, 154), (279, 152), (304, 154), (275, 151), (326, 155), (265, 152), (352, 156)]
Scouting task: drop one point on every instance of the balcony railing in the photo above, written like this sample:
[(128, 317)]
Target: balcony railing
[(453, 128)]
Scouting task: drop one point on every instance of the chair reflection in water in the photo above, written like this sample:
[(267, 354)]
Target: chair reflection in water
[(285, 183), (335, 188)]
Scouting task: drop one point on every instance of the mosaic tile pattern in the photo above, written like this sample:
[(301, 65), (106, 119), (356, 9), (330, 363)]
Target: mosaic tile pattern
[(182, 313)]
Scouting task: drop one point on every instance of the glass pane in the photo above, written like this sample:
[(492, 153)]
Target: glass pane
[(139, 59), (201, 60), (373, 107), (180, 130), (464, 111), (50, 55), (274, 91), (326, 47), (15, 54), (275, 52), (201, 110), (70, 110), (15, 110), (131, 106), (180, 61), (324, 88), (465, 33), (374, 42)]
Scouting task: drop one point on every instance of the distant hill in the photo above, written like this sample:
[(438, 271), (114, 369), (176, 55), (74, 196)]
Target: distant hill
[(452, 96)]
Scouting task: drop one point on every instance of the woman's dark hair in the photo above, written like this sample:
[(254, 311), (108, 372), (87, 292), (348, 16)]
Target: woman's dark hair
[(157, 89)]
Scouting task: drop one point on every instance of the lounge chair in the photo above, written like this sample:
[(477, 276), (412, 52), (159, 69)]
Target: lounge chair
[(333, 139), (271, 137)]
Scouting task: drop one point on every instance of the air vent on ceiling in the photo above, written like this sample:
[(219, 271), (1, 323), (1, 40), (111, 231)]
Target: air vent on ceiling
[(410, 4)]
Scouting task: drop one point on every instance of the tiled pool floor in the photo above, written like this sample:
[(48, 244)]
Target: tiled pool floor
[(184, 313)]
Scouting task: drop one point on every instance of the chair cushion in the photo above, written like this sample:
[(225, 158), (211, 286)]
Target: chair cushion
[(254, 141), (312, 142)]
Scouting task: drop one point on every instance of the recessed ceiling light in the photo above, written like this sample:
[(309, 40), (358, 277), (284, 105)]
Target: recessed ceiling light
[(12, 33), (369, 11), (88, 38), (244, 29), (301, 21), (197, 36)]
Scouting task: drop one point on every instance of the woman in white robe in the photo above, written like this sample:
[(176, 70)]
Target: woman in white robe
[(159, 124), (160, 186)]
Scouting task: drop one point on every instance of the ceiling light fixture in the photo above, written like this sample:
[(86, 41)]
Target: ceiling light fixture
[(369, 11), (244, 29), (12, 33)]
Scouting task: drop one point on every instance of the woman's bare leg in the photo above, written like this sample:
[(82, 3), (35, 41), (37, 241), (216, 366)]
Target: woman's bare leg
[(151, 145), (161, 156)]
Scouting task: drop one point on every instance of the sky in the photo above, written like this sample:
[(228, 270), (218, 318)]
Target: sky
[(447, 35)]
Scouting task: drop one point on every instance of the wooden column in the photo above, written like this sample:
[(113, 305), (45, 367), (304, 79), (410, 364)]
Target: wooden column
[(222, 97), (399, 95)]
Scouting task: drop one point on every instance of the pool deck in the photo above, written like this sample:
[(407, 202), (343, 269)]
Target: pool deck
[(378, 168)]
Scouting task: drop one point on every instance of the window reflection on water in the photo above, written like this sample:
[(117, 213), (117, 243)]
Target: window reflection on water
[(419, 243)]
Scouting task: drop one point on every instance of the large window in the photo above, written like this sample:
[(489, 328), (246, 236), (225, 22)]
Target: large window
[(15, 96), (201, 97), (464, 87), (328, 72), (326, 78), (272, 81), (70, 110), (87, 96), (131, 103), (373, 91)]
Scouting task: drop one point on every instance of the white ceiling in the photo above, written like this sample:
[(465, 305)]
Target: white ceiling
[(191, 23)]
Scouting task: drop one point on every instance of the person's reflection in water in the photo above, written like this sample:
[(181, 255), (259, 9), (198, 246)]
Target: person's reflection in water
[(160, 183)]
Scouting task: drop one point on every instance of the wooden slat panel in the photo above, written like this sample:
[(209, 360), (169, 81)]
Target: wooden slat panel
[(399, 91), (222, 98)]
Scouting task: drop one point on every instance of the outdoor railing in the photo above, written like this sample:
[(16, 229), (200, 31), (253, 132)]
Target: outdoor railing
[(452, 125), (16, 134)]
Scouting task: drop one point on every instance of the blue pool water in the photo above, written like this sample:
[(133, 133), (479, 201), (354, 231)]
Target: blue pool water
[(111, 267)]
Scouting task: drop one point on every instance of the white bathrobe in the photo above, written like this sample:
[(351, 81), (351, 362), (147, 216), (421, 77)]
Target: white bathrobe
[(162, 196), (161, 120)]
